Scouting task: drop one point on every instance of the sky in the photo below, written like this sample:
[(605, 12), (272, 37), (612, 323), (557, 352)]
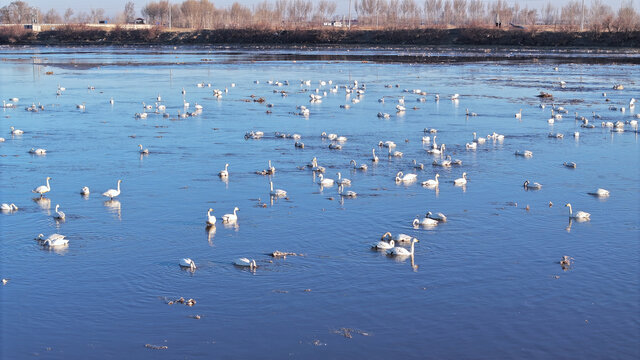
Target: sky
[(112, 7)]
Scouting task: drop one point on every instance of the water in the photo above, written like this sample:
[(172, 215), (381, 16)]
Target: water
[(486, 284)]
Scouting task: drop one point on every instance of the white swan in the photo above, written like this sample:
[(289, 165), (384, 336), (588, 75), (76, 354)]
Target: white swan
[(599, 192), (400, 251), (374, 158), (276, 192), (244, 262), (530, 186), (59, 214), (424, 222), (525, 153), (471, 146), (85, 191), (143, 150), (478, 140), (111, 193), (225, 172), (341, 181), (188, 263), (52, 237), (42, 189), (519, 114), (400, 177), (383, 245), (8, 207), (580, 215), (462, 180), (211, 219), (231, 218), (349, 193), (38, 151), (55, 241), (15, 131), (325, 182), (387, 144), (417, 165), (355, 165), (432, 182), (437, 216), (570, 164), (398, 238), (437, 151)]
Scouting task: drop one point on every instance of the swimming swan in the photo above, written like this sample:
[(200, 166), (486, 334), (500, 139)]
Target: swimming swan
[(225, 172), (345, 181), (59, 214), (142, 150), (398, 238), (431, 182), (244, 262), (188, 263), (8, 207), (424, 222), (211, 219), (325, 182), (111, 193), (437, 216), (231, 218), (276, 192), (42, 189), (400, 251), (462, 180), (400, 177), (580, 215), (383, 245), (599, 192), (534, 186), (85, 191)]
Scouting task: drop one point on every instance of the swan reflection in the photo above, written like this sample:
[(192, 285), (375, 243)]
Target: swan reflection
[(114, 207)]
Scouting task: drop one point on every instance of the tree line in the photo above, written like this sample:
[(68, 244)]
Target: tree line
[(383, 14)]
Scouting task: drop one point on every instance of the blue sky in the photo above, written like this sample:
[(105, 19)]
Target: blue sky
[(113, 6)]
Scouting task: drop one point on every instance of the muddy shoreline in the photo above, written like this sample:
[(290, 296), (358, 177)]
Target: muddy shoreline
[(74, 35)]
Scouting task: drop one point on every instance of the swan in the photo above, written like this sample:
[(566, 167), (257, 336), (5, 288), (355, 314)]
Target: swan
[(111, 101), (400, 251), (356, 167), (534, 186), (417, 165), (225, 172), (15, 131), (444, 163), (470, 113), (38, 151), (211, 219), (580, 215), (519, 114), (387, 144), (325, 182), (599, 192), (383, 245), (341, 181), (335, 146), (59, 214), (478, 140), (188, 263), (525, 153), (8, 207), (52, 237), (432, 182), (374, 158), (570, 164), (81, 106), (437, 216), (42, 189), (198, 107), (471, 146), (231, 218), (142, 150), (111, 193), (426, 139), (348, 193), (85, 191), (244, 262), (424, 222), (54, 241), (341, 138), (395, 153), (398, 238), (277, 192), (462, 180), (437, 151), (400, 177)]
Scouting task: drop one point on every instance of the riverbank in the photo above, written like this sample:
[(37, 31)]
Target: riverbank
[(79, 35)]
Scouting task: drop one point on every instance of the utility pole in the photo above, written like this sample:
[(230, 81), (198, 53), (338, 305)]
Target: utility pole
[(582, 21), (350, 15)]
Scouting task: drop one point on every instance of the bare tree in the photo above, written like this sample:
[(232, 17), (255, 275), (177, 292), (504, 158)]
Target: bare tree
[(96, 15), (447, 13), (52, 17), (476, 12), (68, 15), (298, 11), (433, 11), (627, 19), (129, 12), (324, 11), (409, 12), (17, 12), (571, 14), (601, 16)]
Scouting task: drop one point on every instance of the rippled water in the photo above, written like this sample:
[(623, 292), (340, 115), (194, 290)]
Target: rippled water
[(486, 284)]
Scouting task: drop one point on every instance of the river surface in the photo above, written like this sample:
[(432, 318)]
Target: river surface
[(486, 284)]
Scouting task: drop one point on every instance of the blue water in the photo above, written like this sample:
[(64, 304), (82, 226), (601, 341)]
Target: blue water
[(486, 284)]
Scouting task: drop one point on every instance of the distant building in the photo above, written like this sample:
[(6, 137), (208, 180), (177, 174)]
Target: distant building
[(333, 23), (33, 27), (139, 21)]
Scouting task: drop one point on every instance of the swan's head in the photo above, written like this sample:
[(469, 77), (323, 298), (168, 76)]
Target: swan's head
[(236, 209), (526, 182), (567, 204), (428, 213), (416, 222), (49, 178), (352, 162), (40, 236), (415, 240), (323, 134), (399, 174), (140, 146), (392, 243), (464, 174), (379, 144), (437, 176), (119, 181), (12, 128), (210, 209), (385, 236)]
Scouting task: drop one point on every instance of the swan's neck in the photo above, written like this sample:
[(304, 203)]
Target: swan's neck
[(57, 206), (271, 185), (234, 212), (48, 183), (412, 245), (570, 210), (339, 176), (118, 186)]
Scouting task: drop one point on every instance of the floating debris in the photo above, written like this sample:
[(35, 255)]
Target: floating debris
[(156, 347), (278, 253), (346, 332), (544, 95), (181, 300)]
